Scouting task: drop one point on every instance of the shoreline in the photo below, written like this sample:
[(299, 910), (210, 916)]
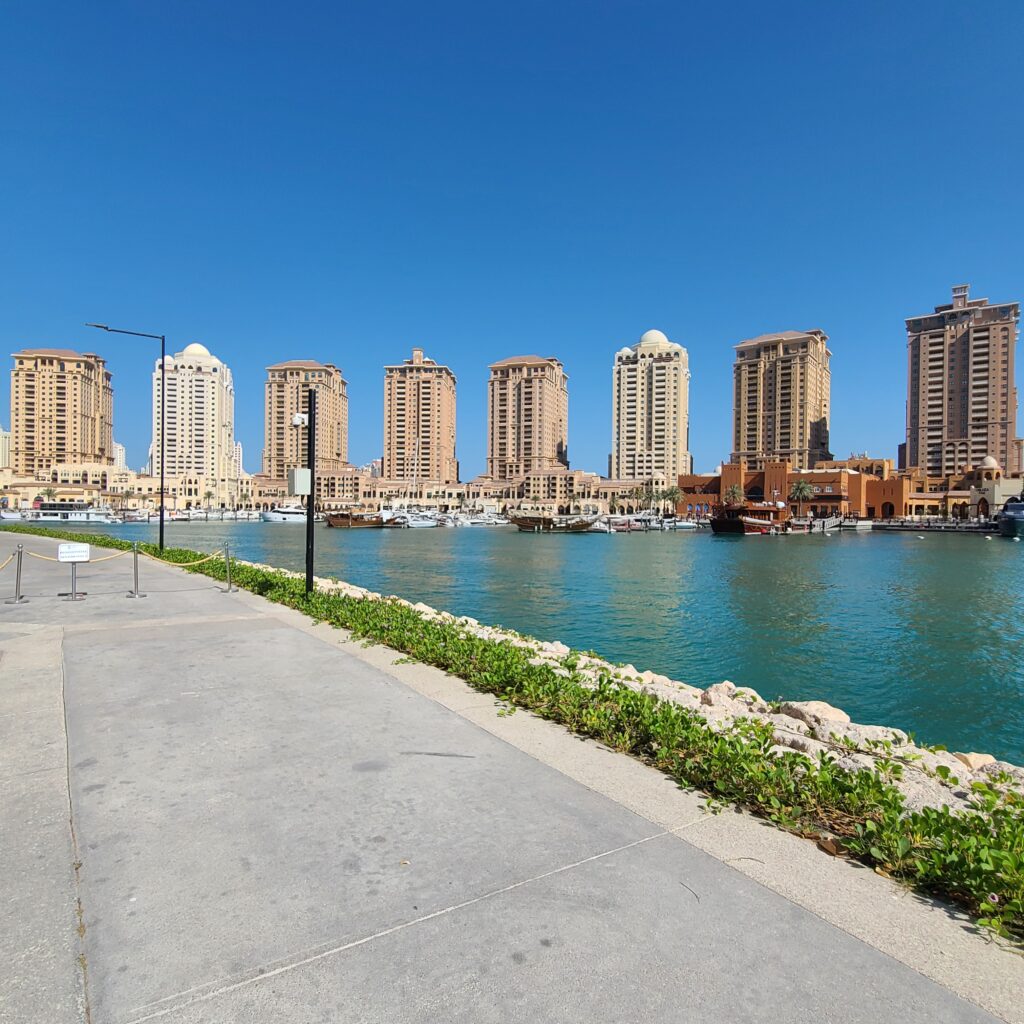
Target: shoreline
[(859, 790)]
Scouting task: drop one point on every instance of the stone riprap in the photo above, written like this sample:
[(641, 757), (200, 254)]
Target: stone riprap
[(926, 777)]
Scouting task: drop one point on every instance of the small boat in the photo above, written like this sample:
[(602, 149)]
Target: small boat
[(351, 520), (284, 514), (410, 521), (1011, 518), (678, 524), (542, 523)]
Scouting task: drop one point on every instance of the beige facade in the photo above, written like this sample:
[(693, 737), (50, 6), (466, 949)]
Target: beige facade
[(651, 409), (419, 421), (62, 409), (5, 448), (284, 445), (961, 399), (527, 417), (781, 399), (200, 416)]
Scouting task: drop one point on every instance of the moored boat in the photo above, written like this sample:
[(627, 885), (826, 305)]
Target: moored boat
[(284, 514), (70, 513), (351, 520), (1011, 518), (751, 518), (543, 523)]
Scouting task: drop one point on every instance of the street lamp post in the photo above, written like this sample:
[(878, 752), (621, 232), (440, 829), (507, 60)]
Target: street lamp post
[(163, 410), (310, 503)]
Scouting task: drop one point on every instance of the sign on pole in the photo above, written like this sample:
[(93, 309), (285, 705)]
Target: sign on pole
[(73, 553)]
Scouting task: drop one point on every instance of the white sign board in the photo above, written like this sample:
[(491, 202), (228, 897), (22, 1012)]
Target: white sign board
[(73, 553)]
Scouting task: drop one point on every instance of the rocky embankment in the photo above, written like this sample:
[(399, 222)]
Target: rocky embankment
[(925, 776)]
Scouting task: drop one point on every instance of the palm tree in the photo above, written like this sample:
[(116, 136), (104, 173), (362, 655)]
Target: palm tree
[(49, 493), (733, 495), (800, 492), (672, 495), (208, 497)]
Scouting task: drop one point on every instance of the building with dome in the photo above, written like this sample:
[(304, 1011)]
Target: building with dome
[(651, 410), (200, 425)]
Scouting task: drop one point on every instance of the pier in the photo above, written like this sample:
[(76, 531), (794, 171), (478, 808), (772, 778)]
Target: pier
[(216, 810)]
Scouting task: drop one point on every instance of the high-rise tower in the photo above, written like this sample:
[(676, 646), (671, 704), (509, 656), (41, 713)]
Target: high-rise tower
[(651, 410), (527, 417), (419, 421)]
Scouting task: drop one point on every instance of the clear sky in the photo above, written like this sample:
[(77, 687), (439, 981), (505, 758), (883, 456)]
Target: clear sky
[(343, 181)]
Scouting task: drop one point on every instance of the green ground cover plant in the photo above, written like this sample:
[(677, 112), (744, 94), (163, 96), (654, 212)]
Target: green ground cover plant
[(973, 858)]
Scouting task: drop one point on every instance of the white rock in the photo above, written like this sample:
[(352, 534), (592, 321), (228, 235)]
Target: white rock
[(813, 712), (974, 761), (719, 695)]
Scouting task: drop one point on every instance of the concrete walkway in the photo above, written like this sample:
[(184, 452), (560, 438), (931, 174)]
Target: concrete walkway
[(269, 823)]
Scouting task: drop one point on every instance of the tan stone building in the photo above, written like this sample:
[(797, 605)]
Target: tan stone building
[(200, 416), (527, 417), (961, 399), (419, 421), (651, 410), (62, 409), (284, 445), (781, 399)]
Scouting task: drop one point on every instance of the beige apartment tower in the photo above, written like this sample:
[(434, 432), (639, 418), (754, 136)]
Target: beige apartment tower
[(651, 410), (961, 399), (62, 410), (527, 417), (287, 387), (781, 396), (419, 421), (200, 416)]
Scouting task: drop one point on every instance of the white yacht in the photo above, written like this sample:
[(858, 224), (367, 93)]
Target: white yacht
[(284, 514), (70, 513)]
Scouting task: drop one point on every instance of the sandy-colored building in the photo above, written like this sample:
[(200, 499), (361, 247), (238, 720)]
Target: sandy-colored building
[(961, 398), (651, 409), (419, 421), (5, 448), (62, 409), (286, 390), (781, 399), (527, 417), (200, 415)]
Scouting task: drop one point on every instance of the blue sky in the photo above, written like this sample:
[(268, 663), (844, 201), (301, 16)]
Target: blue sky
[(345, 181)]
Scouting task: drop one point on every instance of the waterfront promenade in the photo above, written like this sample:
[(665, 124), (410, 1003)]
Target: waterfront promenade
[(215, 811)]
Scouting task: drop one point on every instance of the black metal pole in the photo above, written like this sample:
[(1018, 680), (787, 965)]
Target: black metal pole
[(311, 463), (163, 433)]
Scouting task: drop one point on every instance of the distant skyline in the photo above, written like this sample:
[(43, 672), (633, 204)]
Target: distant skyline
[(347, 183)]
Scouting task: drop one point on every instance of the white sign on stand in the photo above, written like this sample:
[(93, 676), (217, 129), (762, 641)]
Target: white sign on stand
[(73, 553)]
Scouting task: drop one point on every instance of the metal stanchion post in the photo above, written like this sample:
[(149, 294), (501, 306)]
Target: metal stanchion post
[(227, 567), (135, 558), (75, 594), (18, 599)]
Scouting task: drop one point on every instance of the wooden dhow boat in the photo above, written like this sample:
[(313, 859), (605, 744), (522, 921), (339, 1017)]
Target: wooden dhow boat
[(351, 520), (533, 522)]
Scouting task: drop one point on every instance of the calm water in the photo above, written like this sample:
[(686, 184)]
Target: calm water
[(924, 634)]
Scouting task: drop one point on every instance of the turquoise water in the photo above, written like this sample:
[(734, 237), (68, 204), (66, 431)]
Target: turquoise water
[(924, 634)]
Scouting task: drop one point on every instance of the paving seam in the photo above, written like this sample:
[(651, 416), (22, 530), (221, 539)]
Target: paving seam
[(83, 961), (190, 620), (190, 997)]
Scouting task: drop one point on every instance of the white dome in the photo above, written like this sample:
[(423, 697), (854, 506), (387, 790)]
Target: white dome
[(989, 463), (653, 338), (195, 349)]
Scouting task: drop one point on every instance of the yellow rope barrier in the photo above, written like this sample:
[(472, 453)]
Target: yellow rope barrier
[(10, 558), (185, 565), (92, 561)]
